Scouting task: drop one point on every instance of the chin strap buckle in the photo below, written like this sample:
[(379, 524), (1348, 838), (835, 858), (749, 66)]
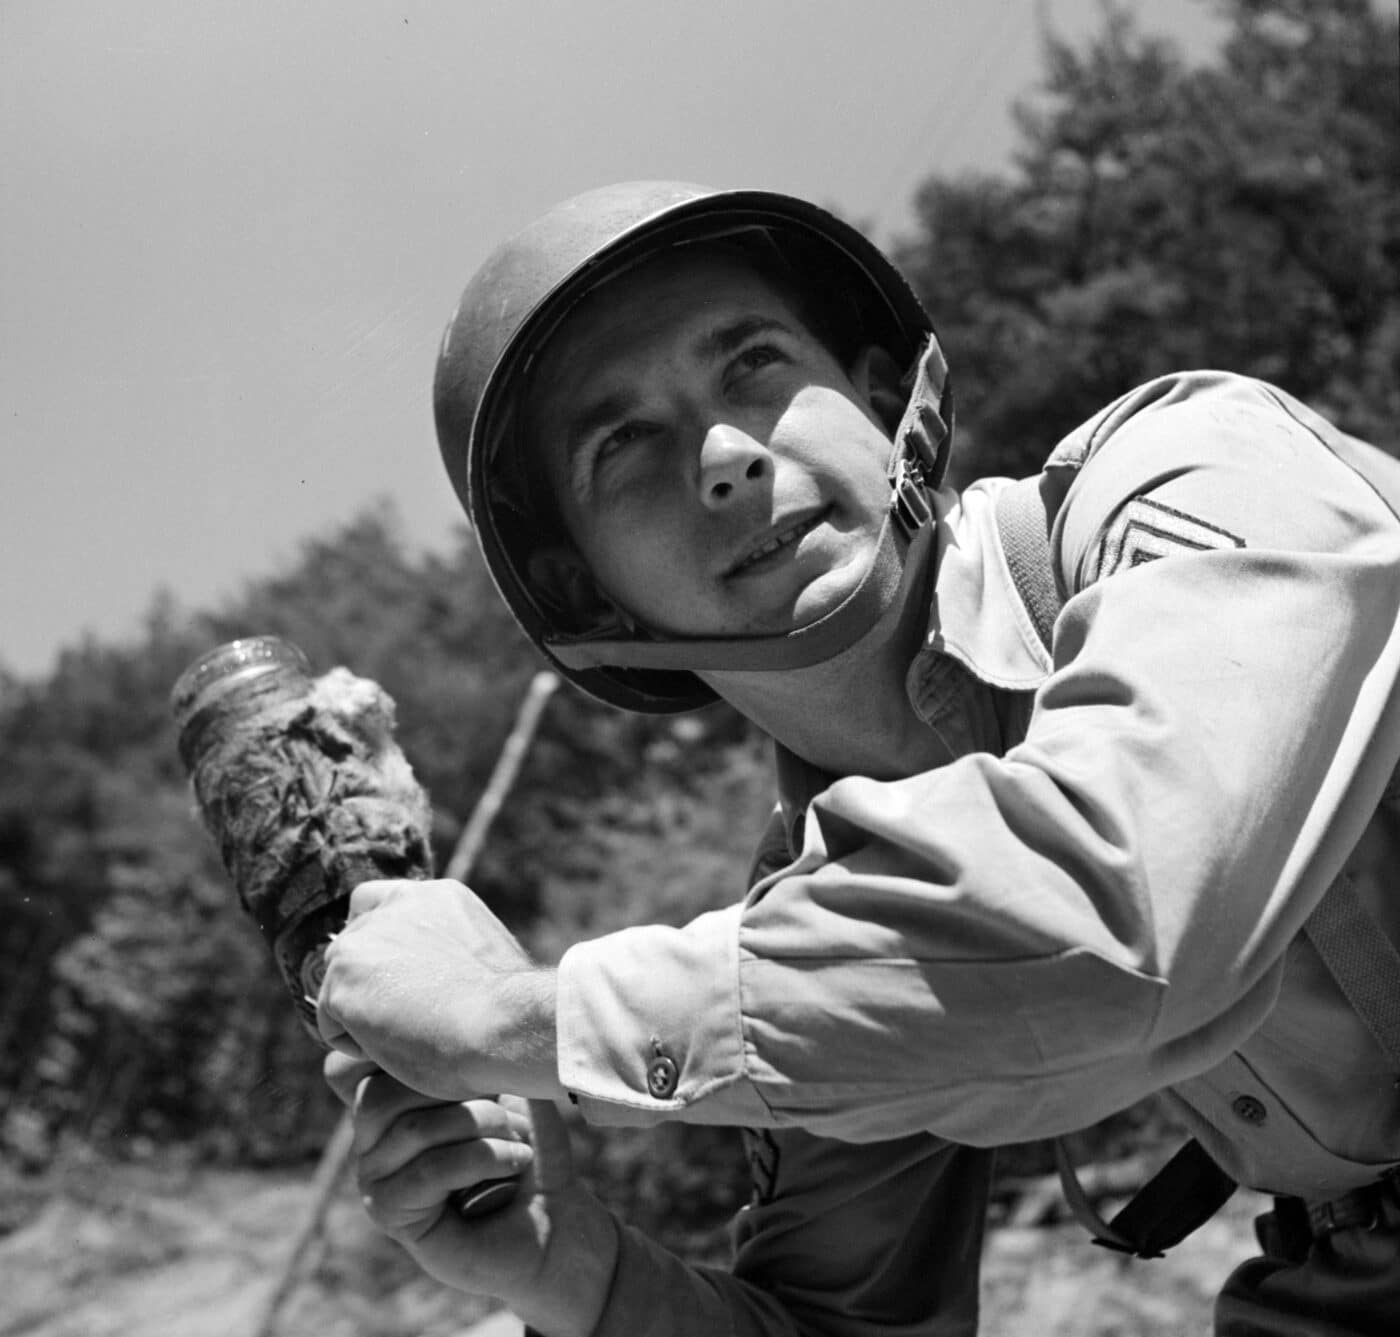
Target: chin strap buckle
[(909, 502), (922, 441)]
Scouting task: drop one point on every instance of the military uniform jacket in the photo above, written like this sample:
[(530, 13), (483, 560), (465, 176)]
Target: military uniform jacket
[(1098, 897)]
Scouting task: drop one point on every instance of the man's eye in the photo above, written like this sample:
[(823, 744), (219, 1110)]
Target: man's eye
[(622, 436), (756, 356)]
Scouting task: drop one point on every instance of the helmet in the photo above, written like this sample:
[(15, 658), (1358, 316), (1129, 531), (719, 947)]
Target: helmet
[(518, 298)]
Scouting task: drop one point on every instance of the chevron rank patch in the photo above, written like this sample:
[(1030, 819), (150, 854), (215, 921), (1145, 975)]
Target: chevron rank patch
[(1145, 530)]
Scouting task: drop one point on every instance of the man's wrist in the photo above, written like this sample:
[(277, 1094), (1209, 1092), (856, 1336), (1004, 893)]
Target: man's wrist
[(531, 1051), (570, 1293)]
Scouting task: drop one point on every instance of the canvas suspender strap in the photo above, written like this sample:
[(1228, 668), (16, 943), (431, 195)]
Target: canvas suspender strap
[(1023, 524), (1187, 1191), (1362, 960), (1191, 1188), (1352, 945)]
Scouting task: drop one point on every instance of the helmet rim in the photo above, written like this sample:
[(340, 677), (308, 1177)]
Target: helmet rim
[(663, 213)]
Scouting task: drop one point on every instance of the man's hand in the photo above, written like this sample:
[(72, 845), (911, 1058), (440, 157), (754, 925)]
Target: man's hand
[(549, 1255), (429, 985)]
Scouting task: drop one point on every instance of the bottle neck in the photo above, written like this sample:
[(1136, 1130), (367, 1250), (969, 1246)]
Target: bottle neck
[(223, 704)]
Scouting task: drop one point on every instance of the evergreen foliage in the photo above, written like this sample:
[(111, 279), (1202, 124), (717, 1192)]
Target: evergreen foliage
[(1244, 216)]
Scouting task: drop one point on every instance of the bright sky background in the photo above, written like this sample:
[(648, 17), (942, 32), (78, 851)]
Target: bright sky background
[(231, 233)]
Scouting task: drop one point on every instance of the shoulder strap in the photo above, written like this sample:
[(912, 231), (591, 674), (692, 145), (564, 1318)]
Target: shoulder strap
[(1186, 1192), (1362, 960), (1191, 1188), (1351, 943), (1023, 523)]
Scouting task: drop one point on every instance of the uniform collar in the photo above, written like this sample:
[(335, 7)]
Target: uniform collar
[(975, 614)]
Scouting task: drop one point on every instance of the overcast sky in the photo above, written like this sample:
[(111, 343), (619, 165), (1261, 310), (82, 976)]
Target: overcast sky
[(230, 234)]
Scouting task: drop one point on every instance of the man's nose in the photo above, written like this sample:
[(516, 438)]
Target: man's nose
[(730, 461)]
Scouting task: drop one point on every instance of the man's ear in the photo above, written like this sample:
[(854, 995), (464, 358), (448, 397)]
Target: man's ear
[(564, 583), (877, 377)]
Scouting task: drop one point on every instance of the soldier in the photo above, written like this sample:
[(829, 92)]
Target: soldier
[(1086, 793)]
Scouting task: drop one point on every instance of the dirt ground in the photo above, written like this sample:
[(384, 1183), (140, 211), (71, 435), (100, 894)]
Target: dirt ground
[(158, 1252), (1053, 1282)]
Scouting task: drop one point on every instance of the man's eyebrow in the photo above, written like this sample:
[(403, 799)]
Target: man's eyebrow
[(729, 338), (715, 343)]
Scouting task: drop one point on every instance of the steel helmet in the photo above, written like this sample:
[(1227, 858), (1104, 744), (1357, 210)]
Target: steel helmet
[(518, 298)]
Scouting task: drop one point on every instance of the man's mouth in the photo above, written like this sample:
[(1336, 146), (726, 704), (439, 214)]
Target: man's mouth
[(775, 542)]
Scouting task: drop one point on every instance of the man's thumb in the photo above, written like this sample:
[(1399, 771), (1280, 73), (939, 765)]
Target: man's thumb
[(553, 1167)]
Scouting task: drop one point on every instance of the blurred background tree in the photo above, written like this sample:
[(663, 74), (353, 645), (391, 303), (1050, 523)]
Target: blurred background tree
[(1243, 215), (139, 1013)]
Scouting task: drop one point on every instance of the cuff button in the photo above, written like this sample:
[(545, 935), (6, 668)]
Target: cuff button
[(1247, 1109), (662, 1077)]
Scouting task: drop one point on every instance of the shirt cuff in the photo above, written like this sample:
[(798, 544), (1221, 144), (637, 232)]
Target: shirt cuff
[(650, 1027)]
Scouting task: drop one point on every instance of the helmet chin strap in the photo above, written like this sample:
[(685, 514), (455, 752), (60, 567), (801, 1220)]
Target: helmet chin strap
[(918, 463)]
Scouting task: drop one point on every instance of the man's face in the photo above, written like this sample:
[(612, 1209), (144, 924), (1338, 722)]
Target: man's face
[(717, 469)]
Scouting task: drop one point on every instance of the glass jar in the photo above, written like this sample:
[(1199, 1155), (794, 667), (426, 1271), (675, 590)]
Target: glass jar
[(221, 705)]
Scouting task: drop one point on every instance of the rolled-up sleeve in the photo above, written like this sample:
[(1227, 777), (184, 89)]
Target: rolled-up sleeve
[(1013, 946)]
